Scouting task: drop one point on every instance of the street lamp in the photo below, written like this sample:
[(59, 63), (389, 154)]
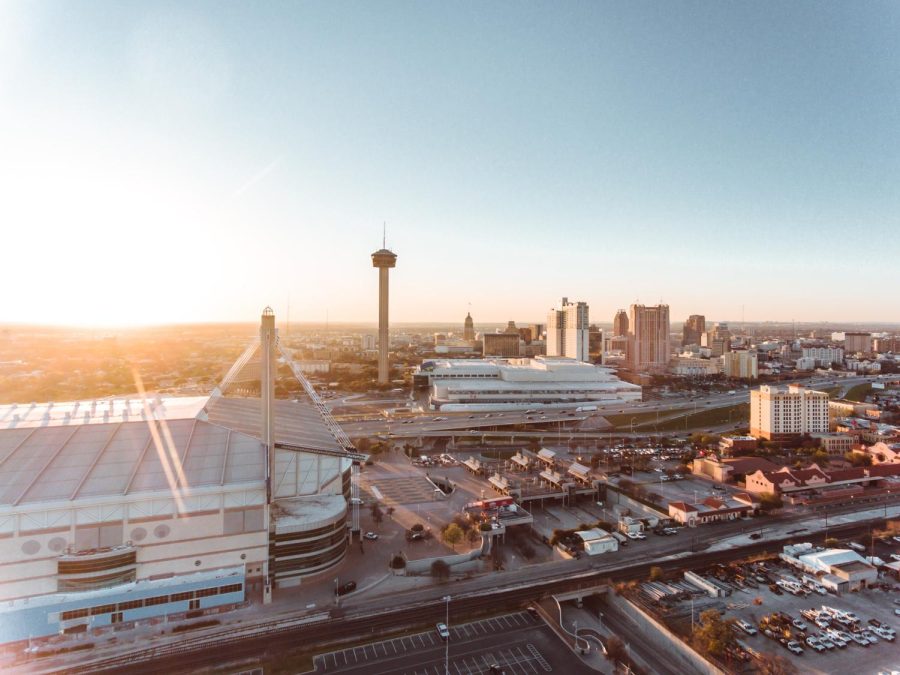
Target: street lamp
[(446, 600)]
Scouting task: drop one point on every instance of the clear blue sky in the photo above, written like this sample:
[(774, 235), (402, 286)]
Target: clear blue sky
[(197, 161)]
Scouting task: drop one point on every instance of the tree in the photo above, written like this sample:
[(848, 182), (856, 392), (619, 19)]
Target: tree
[(769, 501), (615, 649), (377, 515), (498, 556), (712, 634), (398, 562), (440, 570), (453, 535), (774, 664), (656, 573)]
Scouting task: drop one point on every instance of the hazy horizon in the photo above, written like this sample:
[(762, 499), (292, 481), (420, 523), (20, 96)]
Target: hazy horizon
[(167, 163)]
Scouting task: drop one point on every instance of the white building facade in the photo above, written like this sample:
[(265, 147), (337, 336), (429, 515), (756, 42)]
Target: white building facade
[(782, 413), (513, 384), (568, 331)]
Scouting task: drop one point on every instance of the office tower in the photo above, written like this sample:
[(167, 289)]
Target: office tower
[(783, 413), (595, 340), (384, 260), (468, 328), (511, 328), (501, 344), (568, 331), (620, 323), (649, 343), (694, 327), (537, 331)]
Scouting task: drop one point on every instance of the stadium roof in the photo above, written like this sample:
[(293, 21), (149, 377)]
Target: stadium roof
[(87, 449), (65, 463)]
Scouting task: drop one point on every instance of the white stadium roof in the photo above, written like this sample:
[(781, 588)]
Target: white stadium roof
[(87, 449)]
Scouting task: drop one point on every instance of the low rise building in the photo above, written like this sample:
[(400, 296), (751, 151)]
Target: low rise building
[(730, 445), (730, 470), (788, 480), (597, 541), (511, 384), (884, 453), (840, 570), (834, 442), (694, 366), (713, 510)]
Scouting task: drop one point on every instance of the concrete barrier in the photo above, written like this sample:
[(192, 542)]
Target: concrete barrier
[(459, 562), (659, 635)]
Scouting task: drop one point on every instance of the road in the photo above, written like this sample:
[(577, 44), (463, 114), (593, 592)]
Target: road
[(442, 424), (365, 618)]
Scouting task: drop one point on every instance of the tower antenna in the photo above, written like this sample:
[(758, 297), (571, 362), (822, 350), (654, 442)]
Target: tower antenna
[(384, 234)]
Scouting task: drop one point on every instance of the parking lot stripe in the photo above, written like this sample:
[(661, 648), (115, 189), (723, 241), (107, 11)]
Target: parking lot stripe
[(508, 623)]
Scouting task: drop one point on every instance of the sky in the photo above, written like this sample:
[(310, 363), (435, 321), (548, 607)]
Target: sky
[(188, 161)]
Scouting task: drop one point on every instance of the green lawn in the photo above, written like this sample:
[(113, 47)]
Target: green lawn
[(702, 419), (639, 418), (859, 392)]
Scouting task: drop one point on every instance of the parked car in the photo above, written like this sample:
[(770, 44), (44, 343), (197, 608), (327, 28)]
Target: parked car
[(746, 627), (442, 630), (794, 648), (348, 587), (371, 536), (813, 642)]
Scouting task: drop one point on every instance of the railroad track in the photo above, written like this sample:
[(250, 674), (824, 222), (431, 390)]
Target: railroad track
[(268, 640)]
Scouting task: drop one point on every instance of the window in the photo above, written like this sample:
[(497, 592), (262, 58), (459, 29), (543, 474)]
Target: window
[(74, 614), (232, 588), (158, 600), (102, 609), (178, 597), (131, 604), (206, 592)]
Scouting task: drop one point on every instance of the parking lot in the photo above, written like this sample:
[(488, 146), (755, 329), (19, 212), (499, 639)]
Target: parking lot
[(755, 604), (519, 643)]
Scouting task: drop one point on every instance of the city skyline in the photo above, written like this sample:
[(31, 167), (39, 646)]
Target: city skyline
[(194, 164)]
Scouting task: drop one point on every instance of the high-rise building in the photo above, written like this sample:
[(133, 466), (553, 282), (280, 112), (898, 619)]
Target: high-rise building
[(783, 413), (511, 328), (620, 323), (857, 342), (501, 344), (468, 328), (367, 342), (694, 327), (595, 340), (740, 365), (567, 331), (649, 338), (384, 260), (537, 331), (824, 356)]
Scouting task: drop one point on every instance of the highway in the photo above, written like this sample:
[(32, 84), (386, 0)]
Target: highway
[(440, 424)]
